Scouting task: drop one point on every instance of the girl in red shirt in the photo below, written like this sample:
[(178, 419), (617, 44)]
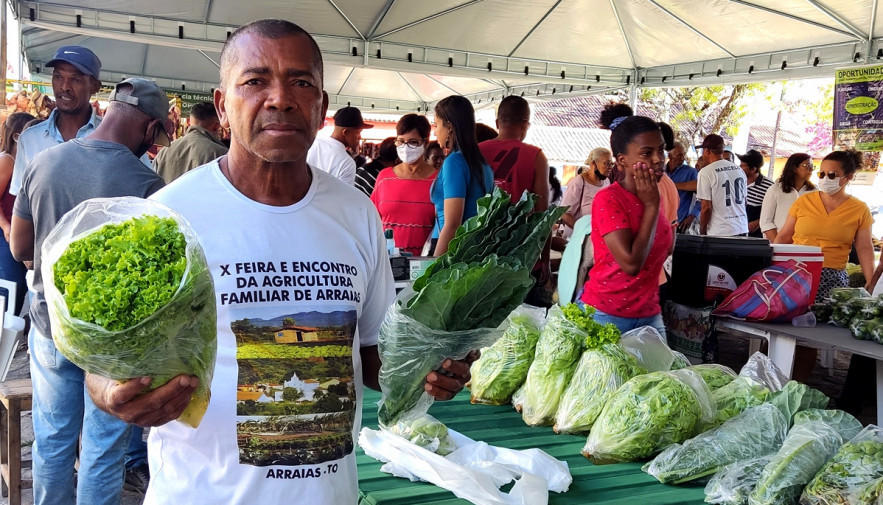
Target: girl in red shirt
[(630, 233)]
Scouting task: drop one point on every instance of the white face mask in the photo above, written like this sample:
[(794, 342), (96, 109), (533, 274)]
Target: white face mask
[(830, 186), (410, 154)]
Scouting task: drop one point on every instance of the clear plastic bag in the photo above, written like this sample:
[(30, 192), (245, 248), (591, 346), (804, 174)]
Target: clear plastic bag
[(815, 437), (851, 475), (761, 369), (558, 351), (760, 430), (736, 397), (178, 338), (649, 413), (502, 367), (733, 483), (716, 376), (599, 373), (646, 344), (680, 361), (427, 432), (411, 350)]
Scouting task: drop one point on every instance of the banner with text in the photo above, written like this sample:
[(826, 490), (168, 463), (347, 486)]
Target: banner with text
[(858, 115)]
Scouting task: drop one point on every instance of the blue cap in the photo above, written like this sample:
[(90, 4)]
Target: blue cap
[(82, 58)]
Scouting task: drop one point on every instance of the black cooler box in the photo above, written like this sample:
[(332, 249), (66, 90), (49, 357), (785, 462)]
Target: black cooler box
[(707, 269)]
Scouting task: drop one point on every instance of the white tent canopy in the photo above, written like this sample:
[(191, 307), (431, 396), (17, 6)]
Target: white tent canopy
[(405, 55)]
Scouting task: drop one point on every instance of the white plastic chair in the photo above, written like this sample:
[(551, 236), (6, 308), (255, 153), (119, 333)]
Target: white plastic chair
[(12, 328)]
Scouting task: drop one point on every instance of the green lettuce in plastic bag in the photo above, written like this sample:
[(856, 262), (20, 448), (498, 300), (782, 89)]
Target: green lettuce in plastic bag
[(599, 373), (734, 483), (813, 440), (736, 397), (716, 376), (647, 414), (502, 367), (757, 431), (851, 475), (129, 295)]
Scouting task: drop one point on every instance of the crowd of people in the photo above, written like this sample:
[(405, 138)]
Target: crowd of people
[(286, 195)]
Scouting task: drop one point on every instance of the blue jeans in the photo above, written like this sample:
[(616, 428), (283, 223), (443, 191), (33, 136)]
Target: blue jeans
[(61, 409), (136, 454), (630, 323), (14, 271)]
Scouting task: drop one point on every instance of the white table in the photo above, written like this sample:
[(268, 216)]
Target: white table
[(783, 338)]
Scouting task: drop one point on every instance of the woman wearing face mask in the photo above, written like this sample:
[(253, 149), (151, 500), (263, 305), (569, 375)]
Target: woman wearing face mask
[(630, 234), (401, 193), (833, 220), (581, 190), (464, 177)]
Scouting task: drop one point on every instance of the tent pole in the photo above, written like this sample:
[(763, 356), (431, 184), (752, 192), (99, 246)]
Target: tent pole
[(633, 91), (871, 33), (3, 64)]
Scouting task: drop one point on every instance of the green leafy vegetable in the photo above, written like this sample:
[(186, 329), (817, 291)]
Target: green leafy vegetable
[(680, 361), (850, 473), (757, 431), (599, 373), (736, 397), (648, 413), (597, 334), (502, 367), (733, 484), (716, 376), (840, 295), (427, 432), (133, 299), (558, 350), (796, 397), (815, 437), (461, 299)]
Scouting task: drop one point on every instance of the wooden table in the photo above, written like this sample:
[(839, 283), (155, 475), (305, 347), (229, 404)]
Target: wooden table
[(783, 338)]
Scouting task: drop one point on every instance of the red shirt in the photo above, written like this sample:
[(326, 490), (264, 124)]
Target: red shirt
[(609, 289), (513, 165), (405, 208)]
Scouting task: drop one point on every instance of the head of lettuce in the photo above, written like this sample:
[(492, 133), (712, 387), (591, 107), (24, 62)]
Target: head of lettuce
[(130, 295)]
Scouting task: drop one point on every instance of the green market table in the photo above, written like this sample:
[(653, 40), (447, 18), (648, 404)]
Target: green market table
[(619, 484)]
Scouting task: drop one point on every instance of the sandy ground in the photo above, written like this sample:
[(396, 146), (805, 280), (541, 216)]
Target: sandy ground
[(733, 353)]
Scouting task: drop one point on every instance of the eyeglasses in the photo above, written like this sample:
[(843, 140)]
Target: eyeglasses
[(831, 175), (807, 164), (411, 143)]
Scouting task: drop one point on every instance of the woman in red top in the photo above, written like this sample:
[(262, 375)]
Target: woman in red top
[(401, 193), (10, 269), (630, 234)]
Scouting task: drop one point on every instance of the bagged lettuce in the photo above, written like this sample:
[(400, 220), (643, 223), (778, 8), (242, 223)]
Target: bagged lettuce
[(813, 440), (757, 431), (736, 397), (680, 361), (129, 295), (599, 373), (761, 369), (647, 414), (852, 475), (716, 376), (733, 483), (558, 350), (502, 367), (648, 346)]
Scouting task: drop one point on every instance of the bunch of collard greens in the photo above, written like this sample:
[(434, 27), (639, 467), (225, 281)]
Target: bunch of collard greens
[(796, 397), (461, 299), (648, 413), (852, 475), (734, 483), (132, 298), (599, 373), (502, 367), (813, 440), (757, 431)]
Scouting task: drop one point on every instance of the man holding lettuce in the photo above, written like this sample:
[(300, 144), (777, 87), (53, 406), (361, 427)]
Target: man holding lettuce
[(299, 261)]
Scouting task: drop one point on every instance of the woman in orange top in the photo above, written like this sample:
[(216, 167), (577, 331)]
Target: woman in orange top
[(833, 220)]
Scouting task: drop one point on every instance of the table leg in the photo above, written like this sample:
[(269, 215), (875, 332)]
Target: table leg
[(879, 392), (782, 352)]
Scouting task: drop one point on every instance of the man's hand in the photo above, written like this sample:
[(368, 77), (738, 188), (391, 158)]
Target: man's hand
[(684, 225), (445, 383), (128, 401)]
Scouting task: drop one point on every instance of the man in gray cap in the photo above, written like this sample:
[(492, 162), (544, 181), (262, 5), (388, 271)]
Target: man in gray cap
[(330, 153), (105, 164)]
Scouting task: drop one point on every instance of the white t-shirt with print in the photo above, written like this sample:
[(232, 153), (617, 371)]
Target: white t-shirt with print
[(724, 184), (299, 290), (330, 155)]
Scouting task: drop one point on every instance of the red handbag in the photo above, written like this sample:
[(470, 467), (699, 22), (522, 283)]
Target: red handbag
[(777, 293)]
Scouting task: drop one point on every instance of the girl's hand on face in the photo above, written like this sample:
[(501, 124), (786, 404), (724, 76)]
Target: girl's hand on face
[(645, 185)]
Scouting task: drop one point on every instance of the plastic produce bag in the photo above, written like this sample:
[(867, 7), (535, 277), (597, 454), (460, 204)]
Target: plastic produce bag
[(761, 369), (474, 471), (502, 367), (736, 397), (814, 439), (757, 431), (851, 475), (647, 414), (733, 483), (410, 351), (599, 373), (646, 344), (518, 399), (680, 361), (558, 350), (425, 431), (112, 261), (716, 376), (840, 295), (796, 397)]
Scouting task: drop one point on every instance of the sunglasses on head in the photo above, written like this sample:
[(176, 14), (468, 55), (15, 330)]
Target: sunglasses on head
[(831, 175)]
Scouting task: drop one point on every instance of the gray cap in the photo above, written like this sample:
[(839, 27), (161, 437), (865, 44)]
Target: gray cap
[(148, 98)]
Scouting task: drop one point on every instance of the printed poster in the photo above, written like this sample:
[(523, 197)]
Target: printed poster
[(858, 115)]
